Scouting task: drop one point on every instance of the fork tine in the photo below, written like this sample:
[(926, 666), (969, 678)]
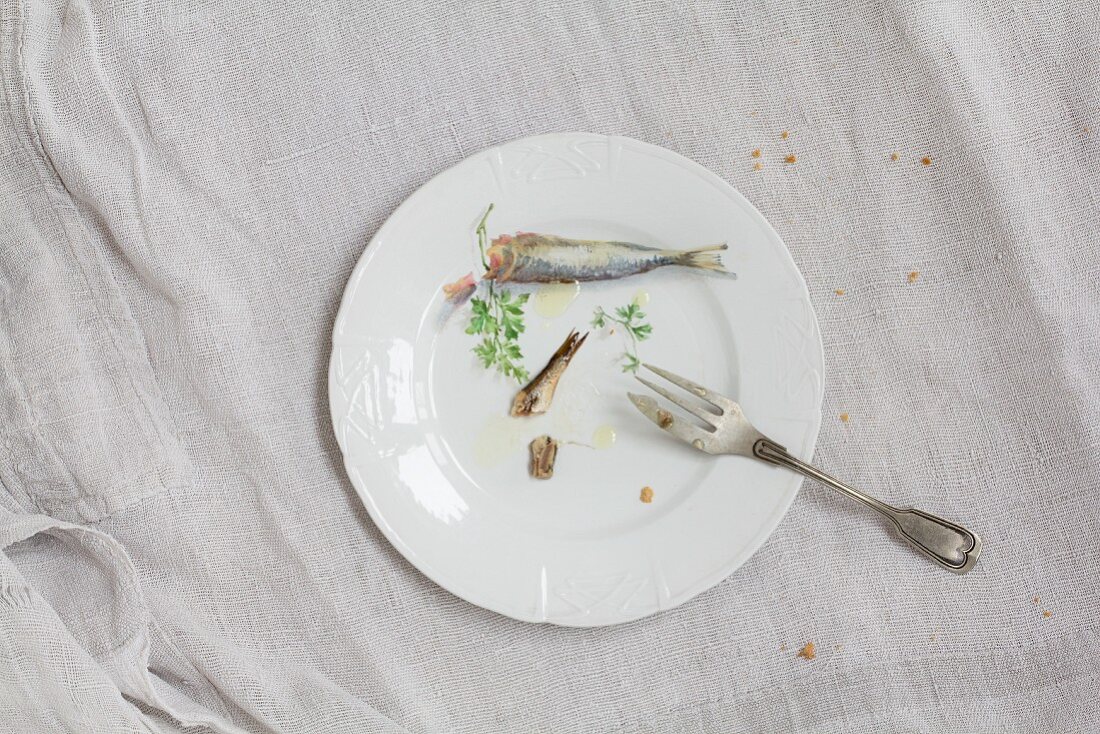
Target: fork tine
[(694, 408), (679, 428), (716, 399)]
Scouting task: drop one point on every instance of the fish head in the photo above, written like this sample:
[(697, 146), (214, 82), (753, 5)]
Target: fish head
[(500, 256)]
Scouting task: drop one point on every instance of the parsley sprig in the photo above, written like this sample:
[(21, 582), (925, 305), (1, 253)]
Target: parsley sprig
[(498, 319), (632, 319)]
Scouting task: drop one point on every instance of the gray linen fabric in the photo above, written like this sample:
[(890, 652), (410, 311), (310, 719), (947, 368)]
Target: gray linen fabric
[(184, 190)]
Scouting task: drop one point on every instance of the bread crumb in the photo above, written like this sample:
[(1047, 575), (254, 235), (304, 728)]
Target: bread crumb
[(757, 166), (1086, 130), (932, 638), (893, 156), (839, 291), (782, 647), (927, 161), (756, 153), (1047, 614), (807, 652), (913, 276), (790, 158), (784, 135), (647, 495), (843, 417), (664, 418), (1034, 600)]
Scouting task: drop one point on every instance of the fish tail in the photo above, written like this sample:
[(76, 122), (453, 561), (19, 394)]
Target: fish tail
[(570, 346), (706, 258)]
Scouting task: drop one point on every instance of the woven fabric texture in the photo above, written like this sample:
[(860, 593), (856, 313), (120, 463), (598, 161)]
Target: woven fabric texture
[(185, 188)]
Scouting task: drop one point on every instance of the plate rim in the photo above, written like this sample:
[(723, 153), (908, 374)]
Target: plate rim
[(705, 582)]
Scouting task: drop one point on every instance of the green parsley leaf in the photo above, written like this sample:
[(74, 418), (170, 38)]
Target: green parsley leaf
[(632, 319), (498, 319)]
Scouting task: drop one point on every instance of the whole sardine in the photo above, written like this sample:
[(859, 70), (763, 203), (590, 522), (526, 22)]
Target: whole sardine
[(536, 396), (542, 258)]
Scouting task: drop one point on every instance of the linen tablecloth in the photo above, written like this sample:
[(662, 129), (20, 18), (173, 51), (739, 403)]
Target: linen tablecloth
[(185, 188)]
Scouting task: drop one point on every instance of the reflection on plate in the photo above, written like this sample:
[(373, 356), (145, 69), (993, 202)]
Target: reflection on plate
[(609, 236)]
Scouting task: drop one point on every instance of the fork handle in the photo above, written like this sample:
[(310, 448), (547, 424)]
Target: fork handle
[(948, 544)]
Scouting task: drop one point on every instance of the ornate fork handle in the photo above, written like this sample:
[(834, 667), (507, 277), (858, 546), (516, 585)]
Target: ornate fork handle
[(948, 544)]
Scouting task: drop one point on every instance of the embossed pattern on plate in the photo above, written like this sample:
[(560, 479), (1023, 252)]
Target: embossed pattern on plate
[(579, 550)]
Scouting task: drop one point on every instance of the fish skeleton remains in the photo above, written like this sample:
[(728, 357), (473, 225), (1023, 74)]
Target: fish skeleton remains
[(536, 396), (542, 258), (544, 452)]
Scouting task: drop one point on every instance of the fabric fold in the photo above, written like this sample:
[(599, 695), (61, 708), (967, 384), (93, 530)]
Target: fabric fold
[(98, 618)]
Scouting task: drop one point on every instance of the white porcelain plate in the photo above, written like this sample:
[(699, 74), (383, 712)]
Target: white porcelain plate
[(443, 469)]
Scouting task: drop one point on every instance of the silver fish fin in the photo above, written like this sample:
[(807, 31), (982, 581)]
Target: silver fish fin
[(706, 258)]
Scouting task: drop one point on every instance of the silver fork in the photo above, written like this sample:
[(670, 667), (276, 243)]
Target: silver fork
[(950, 545)]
